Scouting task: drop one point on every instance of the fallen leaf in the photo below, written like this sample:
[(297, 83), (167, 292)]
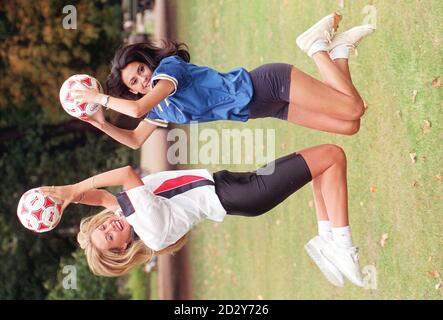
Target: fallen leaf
[(373, 189), (383, 239), (426, 126), (438, 176), (398, 113), (414, 95), (438, 286), (413, 156), (414, 183), (434, 274), (436, 82), (430, 259)]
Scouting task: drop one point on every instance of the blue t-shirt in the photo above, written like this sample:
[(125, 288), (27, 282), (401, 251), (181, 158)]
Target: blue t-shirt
[(201, 94)]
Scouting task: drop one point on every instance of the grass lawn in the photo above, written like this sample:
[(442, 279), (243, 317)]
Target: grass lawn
[(389, 193)]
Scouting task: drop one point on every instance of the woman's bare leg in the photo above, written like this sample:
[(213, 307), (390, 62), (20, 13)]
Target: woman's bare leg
[(332, 73), (323, 122), (329, 162), (309, 93), (343, 66), (337, 97), (323, 223), (320, 206)]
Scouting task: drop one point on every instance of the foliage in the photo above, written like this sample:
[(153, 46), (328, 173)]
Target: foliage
[(81, 283), (38, 54), (138, 283), (39, 143)]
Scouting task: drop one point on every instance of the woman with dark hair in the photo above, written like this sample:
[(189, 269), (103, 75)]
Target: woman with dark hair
[(148, 54), (161, 85)]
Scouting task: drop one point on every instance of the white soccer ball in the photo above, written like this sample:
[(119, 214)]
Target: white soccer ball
[(79, 82), (38, 212)]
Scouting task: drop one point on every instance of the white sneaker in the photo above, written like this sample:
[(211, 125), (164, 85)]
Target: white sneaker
[(315, 248), (323, 29), (352, 37), (346, 260)]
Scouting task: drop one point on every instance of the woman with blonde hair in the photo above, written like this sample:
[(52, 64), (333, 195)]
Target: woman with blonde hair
[(114, 262), (154, 215)]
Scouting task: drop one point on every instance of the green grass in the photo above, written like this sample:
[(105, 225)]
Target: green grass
[(141, 285), (258, 258)]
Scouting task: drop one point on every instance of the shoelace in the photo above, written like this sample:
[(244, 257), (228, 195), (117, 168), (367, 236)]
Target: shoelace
[(329, 34)]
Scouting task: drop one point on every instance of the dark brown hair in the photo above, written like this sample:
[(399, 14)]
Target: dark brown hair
[(145, 52)]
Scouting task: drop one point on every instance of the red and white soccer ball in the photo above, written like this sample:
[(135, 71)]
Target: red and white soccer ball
[(79, 82), (38, 212)]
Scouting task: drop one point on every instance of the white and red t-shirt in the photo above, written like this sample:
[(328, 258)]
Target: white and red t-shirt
[(170, 204)]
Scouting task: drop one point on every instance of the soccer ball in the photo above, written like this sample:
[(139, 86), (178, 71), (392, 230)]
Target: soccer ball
[(79, 82), (38, 212)]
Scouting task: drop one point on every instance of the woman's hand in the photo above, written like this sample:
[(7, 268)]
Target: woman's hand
[(97, 119), (86, 96), (67, 194)]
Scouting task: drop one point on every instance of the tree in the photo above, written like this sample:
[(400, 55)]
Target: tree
[(75, 281), (39, 143)]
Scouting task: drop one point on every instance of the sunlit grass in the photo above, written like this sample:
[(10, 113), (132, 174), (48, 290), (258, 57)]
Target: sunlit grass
[(389, 193)]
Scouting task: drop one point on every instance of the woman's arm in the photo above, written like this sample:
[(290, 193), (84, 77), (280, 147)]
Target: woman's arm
[(132, 108), (140, 107), (96, 197), (125, 176), (131, 138)]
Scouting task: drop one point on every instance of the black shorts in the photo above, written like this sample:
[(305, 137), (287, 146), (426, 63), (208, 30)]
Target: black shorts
[(252, 194), (271, 84)]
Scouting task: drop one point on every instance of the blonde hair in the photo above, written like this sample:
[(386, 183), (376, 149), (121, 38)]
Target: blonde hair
[(116, 263)]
